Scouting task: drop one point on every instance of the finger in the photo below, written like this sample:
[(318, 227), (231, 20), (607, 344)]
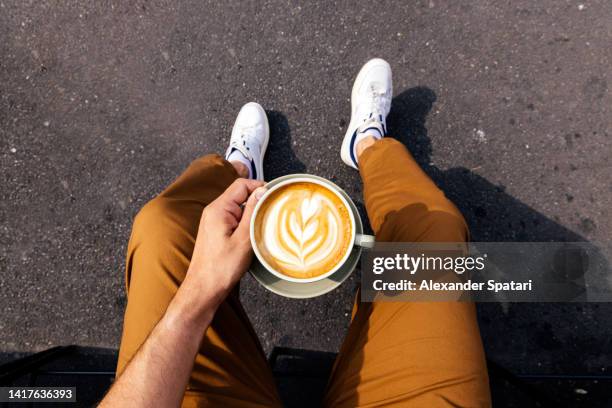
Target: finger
[(239, 190), (228, 223), (234, 209), (243, 227)]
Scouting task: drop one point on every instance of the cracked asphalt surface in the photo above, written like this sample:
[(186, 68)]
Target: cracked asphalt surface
[(507, 106)]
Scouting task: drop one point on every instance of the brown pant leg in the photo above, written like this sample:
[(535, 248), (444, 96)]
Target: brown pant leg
[(230, 368), (409, 354)]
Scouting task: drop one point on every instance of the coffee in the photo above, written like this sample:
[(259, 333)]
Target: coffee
[(303, 230)]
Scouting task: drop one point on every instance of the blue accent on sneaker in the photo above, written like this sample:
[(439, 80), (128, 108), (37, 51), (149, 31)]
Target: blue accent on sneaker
[(352, 148), (232, 150), (253, 168), (375, 128)]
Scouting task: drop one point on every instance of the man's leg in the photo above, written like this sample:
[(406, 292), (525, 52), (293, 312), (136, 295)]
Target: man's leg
[(409, 354), (230, 368)]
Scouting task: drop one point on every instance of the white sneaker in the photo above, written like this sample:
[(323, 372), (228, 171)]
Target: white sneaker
[(249, 139), (370, 105)]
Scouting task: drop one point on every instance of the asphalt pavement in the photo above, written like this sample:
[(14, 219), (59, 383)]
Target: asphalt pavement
[(506, 105)]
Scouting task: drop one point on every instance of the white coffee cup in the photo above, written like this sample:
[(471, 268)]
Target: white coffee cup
[(366, 241)]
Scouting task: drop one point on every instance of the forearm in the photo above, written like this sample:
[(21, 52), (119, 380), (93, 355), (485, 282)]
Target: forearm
[(158, 373)]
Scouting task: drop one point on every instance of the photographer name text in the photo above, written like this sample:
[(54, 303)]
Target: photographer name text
[(430, 285)]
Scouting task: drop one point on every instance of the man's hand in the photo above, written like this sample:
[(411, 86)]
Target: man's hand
[(158, 373), (222, 251)]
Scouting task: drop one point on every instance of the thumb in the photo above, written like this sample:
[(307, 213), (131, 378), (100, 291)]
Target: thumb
[(245, 222)]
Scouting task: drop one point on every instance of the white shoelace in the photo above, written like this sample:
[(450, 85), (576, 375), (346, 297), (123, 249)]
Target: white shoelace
[(241, 144), (378, 101)]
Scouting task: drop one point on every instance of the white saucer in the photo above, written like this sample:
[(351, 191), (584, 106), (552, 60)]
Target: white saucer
[(312, 289)]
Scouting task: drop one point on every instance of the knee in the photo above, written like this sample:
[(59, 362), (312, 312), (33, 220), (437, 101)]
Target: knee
[(163, 222), (150, 218), (161, 242)]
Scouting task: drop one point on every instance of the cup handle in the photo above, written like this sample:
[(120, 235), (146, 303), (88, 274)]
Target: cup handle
[(365, 241)]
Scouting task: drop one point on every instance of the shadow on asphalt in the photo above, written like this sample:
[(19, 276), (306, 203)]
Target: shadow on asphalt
[(492, 214), (281, 159), (556, 335)]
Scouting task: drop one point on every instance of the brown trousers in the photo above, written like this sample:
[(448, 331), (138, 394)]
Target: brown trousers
[(395, 354)]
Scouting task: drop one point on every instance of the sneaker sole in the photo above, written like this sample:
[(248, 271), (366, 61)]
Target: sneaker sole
[(264, 147)]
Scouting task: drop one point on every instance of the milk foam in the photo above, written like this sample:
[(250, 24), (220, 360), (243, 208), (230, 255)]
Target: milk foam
[(302, 229)]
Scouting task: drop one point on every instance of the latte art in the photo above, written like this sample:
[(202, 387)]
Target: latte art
[(303, 230)]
